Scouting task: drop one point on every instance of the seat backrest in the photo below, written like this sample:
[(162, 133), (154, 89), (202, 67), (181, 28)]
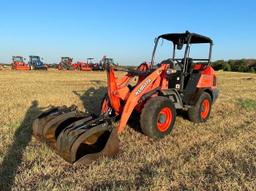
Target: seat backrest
[(178, 80), (189, 65)]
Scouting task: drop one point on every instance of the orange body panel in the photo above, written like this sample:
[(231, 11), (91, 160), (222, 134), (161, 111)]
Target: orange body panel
[(20, 66), (207, 78)]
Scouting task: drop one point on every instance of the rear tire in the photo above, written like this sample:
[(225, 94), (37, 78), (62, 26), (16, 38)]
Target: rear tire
[(158, 117), (200, 112)]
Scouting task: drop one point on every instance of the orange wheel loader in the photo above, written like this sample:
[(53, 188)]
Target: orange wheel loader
[(177, 82)]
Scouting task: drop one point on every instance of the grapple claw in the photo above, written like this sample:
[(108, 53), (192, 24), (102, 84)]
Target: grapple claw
[(76, 136), (51, 122), (43, 119), (88, 141)]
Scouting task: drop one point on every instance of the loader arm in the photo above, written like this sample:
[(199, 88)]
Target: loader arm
[(150, 83), (118, 88)]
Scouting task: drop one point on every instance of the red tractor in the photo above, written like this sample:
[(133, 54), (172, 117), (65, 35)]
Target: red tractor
[(66, 63), (162, 88), (85, 66), (18, 63)]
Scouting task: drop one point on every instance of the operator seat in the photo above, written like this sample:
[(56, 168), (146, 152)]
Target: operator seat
[(191, 80), (188, 70), (190, 65), (175, 79)]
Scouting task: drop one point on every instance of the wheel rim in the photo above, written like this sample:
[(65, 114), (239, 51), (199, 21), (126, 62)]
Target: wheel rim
[(164, 119), (205, 108)]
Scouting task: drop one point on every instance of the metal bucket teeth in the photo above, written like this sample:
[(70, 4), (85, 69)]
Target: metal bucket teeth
[(87, 142)]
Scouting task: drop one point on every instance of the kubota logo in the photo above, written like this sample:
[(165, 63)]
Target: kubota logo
[(143, 86)]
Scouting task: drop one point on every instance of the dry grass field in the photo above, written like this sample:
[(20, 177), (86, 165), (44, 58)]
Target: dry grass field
[(217, 155)]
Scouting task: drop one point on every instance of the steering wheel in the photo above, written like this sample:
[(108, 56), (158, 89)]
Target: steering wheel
[(178, 62), (167, 61)]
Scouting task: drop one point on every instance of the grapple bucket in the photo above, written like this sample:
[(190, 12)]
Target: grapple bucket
[(51, 122), (76, 136)]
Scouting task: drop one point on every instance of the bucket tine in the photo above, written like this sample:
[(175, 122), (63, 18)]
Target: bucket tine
[(110, 149), (54, 127), (76, 136), (42, 120), (47, 126), (88, 143)]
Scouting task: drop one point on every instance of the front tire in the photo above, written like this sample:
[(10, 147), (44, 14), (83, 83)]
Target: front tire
[(200, 112), (158, 117)]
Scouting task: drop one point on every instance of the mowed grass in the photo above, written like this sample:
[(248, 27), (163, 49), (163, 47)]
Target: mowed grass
[(217, 155)]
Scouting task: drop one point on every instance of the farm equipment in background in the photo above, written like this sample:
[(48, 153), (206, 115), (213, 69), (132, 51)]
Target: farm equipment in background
[(86, 66), (182, 83), (66, 63), (36, 63), (103, 63), (18, 63)]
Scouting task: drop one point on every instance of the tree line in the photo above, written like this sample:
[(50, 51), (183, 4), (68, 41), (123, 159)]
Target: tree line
[(242, 65)]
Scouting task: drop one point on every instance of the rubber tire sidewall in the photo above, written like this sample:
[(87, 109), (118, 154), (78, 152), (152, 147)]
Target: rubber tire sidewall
[(149, 116), (194, 113)]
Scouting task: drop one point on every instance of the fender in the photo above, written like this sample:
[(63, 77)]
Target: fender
[(149, 83), (199, 92)]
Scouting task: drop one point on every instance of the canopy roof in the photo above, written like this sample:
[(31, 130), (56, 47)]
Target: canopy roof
[(195, 38)]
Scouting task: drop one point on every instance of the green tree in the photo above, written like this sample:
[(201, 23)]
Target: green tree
[(226, 67), (218, 65), (243, 68)]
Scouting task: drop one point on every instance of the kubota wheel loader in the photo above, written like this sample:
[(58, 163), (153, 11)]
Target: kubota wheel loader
[(162, 88)]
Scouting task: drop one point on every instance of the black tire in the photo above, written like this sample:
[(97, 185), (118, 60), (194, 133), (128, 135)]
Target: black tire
[(150, 117), (195, 113)]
